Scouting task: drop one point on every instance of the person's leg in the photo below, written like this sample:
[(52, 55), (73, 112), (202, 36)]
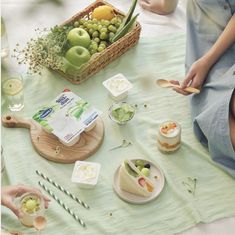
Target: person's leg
[(232, 119), (213, 110)]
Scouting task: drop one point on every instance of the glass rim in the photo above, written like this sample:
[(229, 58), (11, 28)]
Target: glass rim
[(167, 121), (41, 206), (12, 75), (119, 104), (4, 90)]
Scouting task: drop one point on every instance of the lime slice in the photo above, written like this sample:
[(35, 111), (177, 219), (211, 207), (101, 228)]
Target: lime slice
[(12, 86)]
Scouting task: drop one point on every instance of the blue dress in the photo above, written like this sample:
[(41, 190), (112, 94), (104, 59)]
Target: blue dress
[(206, 20)]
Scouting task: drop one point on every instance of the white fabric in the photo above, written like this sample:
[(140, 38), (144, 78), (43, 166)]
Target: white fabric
[(153, 25)]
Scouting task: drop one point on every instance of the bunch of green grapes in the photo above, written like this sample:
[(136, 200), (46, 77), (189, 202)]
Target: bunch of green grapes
[(100, 31)]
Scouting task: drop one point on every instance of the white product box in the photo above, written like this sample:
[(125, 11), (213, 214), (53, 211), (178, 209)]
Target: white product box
[(67, 116)]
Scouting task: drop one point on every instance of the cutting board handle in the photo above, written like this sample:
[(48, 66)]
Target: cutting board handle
[(13, 121)]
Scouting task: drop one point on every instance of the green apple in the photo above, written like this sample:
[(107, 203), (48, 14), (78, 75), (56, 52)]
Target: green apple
[(145, 171), (69, 68), (77, 55), (79, 37)]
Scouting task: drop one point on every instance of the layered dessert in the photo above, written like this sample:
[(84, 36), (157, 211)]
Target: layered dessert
[(132, 180), (32, 206), (169, 136)]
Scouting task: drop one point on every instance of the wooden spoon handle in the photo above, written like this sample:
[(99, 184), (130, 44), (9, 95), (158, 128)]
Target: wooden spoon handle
[(12, 121), (189, 89), (192, 90)]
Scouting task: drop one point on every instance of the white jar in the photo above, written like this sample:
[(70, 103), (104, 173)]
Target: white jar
[(86, 174), (118, 87)]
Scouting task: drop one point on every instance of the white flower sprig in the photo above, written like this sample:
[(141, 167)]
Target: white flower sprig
[(47, 50)]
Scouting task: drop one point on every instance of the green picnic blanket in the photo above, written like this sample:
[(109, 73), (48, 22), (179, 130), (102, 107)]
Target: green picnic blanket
[(175, 209)]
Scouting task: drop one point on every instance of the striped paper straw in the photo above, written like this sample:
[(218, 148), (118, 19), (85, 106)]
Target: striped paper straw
[(62, 189), (62, 204)]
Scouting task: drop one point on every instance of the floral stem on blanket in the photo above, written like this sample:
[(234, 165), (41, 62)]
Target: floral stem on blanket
[(124, 144), (190, 184)]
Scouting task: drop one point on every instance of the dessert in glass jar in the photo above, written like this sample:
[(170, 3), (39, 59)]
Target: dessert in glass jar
[(169, 136)]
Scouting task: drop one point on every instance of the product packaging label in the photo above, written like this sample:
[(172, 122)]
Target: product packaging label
[(67, 116)]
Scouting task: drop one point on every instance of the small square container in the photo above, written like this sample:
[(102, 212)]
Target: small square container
[(118, 87), (90, 127), (86, 174), (71, 142)]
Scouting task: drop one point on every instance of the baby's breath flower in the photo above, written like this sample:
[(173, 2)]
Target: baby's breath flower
[(46, 50)]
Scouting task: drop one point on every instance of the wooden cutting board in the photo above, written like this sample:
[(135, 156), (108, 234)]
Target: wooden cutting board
[(48, 145)]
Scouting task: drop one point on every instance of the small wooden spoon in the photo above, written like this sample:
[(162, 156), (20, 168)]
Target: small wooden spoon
[(39, 223), (165, 84)]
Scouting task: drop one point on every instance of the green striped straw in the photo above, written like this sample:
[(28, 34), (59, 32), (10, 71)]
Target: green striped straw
[(62, 204), (62, 189)]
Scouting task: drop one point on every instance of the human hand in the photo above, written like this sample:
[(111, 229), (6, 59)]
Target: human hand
[(9, 193), (195, 77), (161, 7)]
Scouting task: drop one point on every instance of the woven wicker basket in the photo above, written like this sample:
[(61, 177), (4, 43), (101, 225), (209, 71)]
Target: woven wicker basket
[(100, 60)]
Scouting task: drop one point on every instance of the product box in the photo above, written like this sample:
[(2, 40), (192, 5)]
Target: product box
[(67, 116)]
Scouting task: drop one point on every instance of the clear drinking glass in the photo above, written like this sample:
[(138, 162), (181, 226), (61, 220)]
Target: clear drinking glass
[(2, 160), (32, 206), (12, 88), (4, 41), (121, 112)]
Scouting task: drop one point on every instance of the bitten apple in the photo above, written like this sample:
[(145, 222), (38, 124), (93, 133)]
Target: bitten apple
[(79, 37), (77, 55)]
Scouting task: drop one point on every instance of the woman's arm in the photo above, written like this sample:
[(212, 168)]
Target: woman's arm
[(199, 70), (226, 39), (161, 7)]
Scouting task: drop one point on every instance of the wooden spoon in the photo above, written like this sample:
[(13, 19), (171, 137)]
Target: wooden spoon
[(165, 84), (39, 223)]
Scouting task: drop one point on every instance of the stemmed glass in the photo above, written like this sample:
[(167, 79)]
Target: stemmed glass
[(39, 223)]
